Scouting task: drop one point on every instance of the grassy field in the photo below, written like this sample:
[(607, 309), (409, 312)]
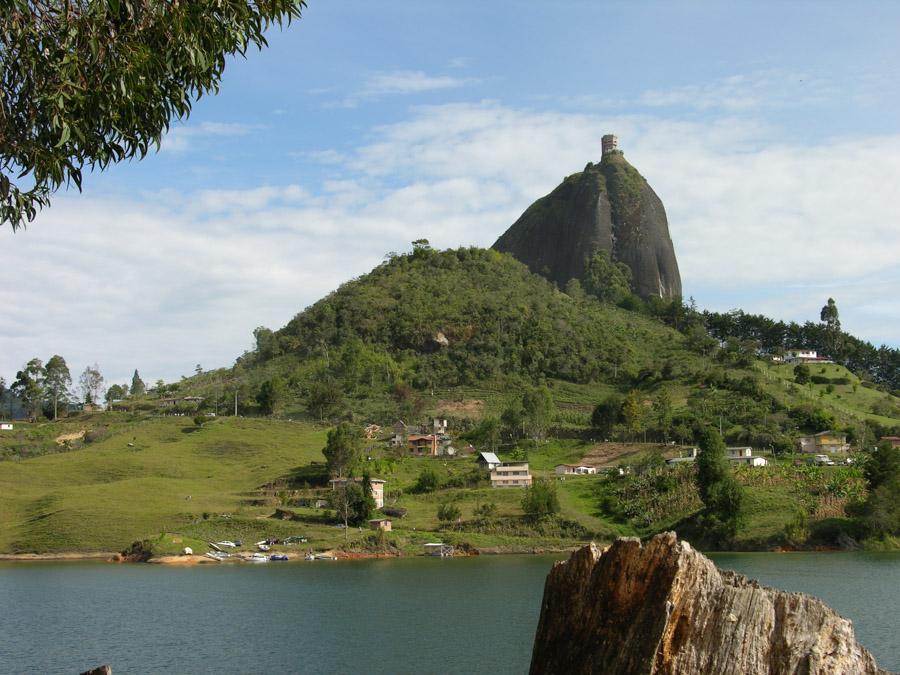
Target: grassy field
[(166, 480), (145, 478), (846, 400)]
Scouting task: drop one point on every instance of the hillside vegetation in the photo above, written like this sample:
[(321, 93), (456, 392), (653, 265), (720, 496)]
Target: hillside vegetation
[(516, 365)]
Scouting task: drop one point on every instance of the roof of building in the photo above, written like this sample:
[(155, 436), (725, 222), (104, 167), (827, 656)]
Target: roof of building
[(420, 437), (344, 480), (489, 457)]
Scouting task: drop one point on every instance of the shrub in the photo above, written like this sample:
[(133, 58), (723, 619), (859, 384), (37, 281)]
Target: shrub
[(427, 482), (486, 510), (448, 513), (540, 500), (95, 435)]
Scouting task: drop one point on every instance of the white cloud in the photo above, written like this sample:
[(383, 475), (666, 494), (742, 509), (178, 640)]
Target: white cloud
[(168, 280), (738, 93), (180, 139), (409, 82)]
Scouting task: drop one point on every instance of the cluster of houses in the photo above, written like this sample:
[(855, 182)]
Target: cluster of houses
[(432, 442), (736, 455), (435, 442)]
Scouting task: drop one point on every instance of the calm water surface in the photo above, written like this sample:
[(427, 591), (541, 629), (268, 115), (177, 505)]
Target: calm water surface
[(473, 615)]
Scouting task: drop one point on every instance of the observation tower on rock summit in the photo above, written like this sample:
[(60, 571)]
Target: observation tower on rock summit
[(609, 143)]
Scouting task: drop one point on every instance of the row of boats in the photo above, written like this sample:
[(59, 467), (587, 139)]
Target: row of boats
[(222, 556), (219, 553)]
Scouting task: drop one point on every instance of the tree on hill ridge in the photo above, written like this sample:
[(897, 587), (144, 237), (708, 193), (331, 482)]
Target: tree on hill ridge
[(342, 448), (138, 388), (57, 381)]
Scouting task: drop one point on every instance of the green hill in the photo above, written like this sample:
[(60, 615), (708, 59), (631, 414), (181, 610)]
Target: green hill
[(462, 334)]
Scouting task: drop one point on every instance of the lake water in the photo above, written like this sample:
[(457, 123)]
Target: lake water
[(471, 615)]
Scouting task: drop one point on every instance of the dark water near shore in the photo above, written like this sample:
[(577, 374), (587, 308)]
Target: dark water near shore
[(473, 615)]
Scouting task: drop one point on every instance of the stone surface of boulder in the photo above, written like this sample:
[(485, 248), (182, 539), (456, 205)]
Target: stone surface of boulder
[(663, 608)]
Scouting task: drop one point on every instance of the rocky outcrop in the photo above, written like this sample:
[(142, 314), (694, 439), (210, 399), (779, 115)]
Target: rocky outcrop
[(100, 670), (664, 608), (607, 206)]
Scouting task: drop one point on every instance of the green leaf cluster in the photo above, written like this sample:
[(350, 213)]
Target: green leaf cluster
[(93, 82)]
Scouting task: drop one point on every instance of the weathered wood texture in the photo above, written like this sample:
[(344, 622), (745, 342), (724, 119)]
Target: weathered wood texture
[(665, 609)]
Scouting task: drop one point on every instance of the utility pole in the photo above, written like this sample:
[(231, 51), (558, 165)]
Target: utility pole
[(235, 402)]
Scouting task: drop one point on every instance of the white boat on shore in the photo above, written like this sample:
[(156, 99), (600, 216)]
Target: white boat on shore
[(257, 558), (319, 556)]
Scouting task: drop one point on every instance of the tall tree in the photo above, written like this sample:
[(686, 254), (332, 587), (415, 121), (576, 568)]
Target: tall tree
[(722, 495), (342, 448), (662, 412), (57, 381), (272, 395), (833, 336), (538, 408), (633, 413), (881, 514), (29, 386), (90, 83), (91, 382), (350, 504), (114, 393), (138, 388), (607, 415)]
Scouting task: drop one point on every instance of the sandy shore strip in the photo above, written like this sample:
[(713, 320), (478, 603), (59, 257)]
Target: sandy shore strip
[(70, 555)]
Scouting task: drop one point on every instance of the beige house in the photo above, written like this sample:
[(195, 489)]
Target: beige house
[(510, 474), (380, 524), (377, 488), (422, 444), (824, 442)]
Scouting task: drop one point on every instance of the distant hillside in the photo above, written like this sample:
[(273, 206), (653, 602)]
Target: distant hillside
[(464, 316), (429, 330)]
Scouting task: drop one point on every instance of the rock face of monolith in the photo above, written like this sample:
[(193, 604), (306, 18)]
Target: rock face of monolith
[(608, 206), (664, 608)]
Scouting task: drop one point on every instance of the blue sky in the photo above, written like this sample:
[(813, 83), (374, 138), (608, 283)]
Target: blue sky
[(769, 130)]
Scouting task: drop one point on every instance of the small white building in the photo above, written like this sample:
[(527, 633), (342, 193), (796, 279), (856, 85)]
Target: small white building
[(744, 455), (6, 426), (488, 460), (804, 356), (438, 549), (574, 470), (511, 474)]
